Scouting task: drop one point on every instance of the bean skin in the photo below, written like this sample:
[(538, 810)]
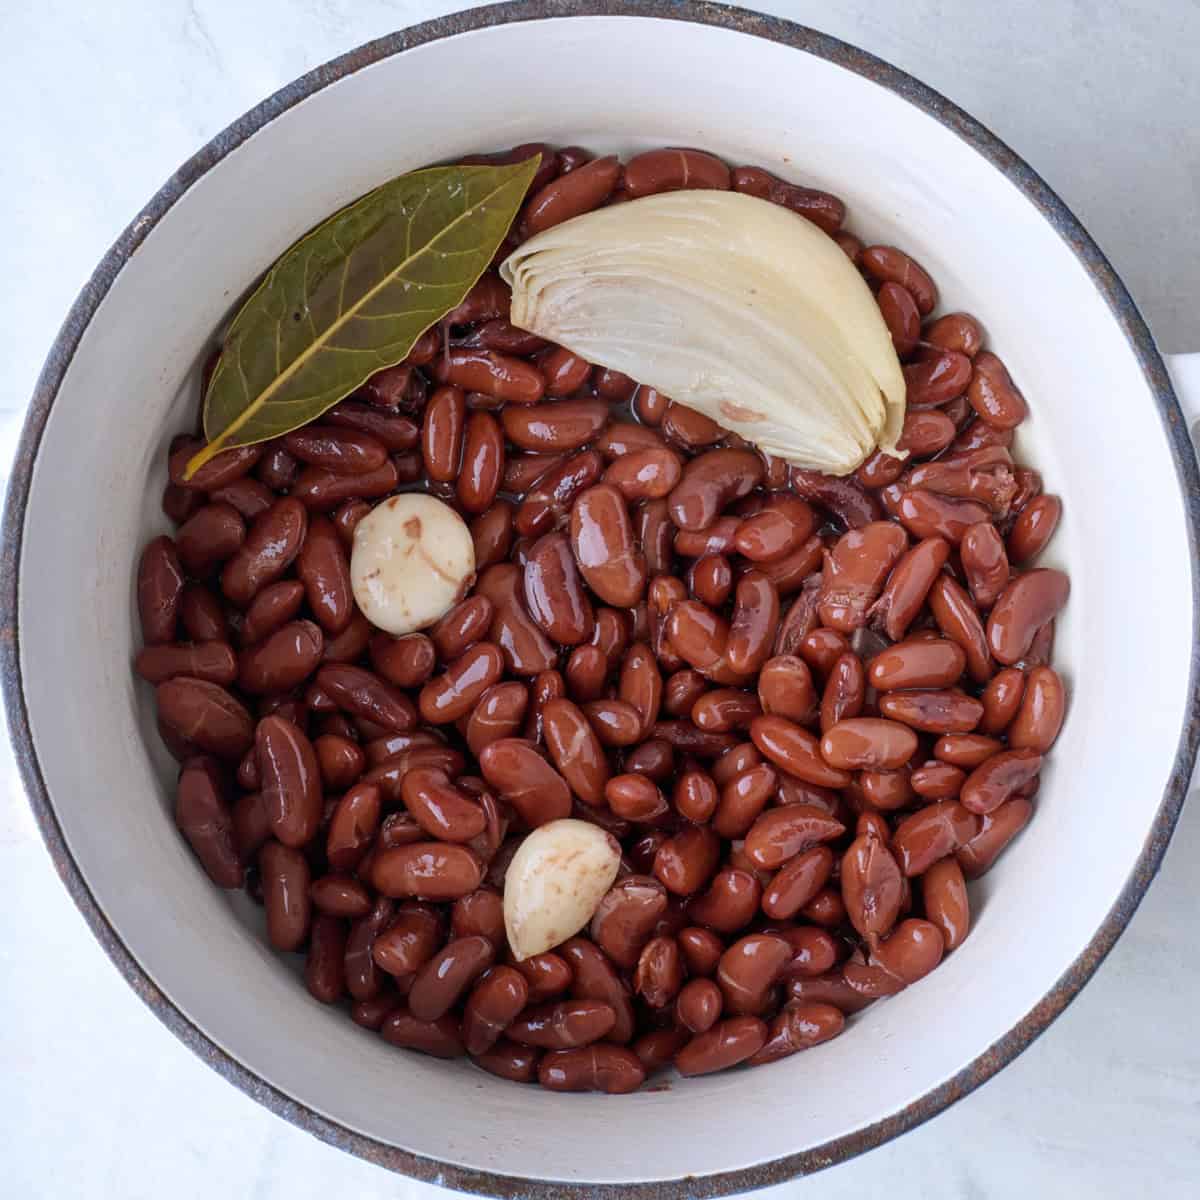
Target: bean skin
[(600, 1068), (571, 195), (725, 1045), (947, 905), (1028, 603), (1040, 715), (889, 265), (658, 171)]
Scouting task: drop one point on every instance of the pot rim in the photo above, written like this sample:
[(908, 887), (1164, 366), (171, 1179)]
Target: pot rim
[(469, 1179)]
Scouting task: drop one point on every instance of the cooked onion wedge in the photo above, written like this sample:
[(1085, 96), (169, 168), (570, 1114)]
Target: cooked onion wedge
[(729, 304)]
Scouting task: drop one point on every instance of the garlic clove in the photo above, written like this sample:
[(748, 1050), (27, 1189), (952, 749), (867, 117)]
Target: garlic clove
[(412, 560), (559, 874), (730, 305)]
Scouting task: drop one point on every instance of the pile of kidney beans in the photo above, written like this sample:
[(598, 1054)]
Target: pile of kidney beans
[(809, 708)]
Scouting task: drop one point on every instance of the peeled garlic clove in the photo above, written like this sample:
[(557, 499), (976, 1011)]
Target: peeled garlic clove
[(559, 874), (730, 305), (413, 559)]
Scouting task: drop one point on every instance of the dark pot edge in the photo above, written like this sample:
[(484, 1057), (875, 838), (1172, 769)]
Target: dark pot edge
[(58, 361)]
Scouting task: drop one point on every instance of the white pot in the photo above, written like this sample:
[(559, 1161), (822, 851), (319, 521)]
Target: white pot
[(1106, 432)]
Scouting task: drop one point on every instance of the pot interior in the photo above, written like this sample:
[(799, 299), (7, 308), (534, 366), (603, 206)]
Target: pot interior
[(1095, 434)]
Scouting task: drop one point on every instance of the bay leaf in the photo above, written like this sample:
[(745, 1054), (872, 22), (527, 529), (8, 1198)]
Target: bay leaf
[(352, 296)]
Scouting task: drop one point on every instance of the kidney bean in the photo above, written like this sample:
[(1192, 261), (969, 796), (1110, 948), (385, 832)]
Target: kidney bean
[(966, 749), (624, 437), (271, 608), (911, 952), (855, 572), (602, 539), (785, 688), (447, 974), (908, 586), (440, 1038), (343, 451), (685, 863), (626, 917), (656, 171), (564, 373), (725, 709), (654, 532), (597, 1068), (730, 902), (872, 886), (780, 834), (880, 469), (364, 979), (931, 382), (843, 499), (323, 490), (547, 975), (583, 189), (927, 515), (1040, 714), (428, 870), (324, 569), (209, 537), (285, 881), (984, 563), (993, 395), (291, 781), (800, 1026), (748, 969), (710, 580), (932, 833), (365, 695), (340, 760), (250, 826), (372, 1013), (709, 483), (549, 497), (1027, 603), (455, 692), (724, 1045), (659, 973), (681, 691), (282, 660), (554, 592), (586, 671), (442, 433), (783, 526), (956, 331), (482, 463), (635, 798), (498, 714), (558, 426), (932, 711), (596, 979), (396, 432), (957, 619), (994, 781), (997, 829), (201, 615), (926, 432), (500, 376), (944, 894), (323, 970), (824, 210), (650, 406), (799, 880), (221, 469), (937, 780), (696, 796), (649, 474), (159, 590), (690, 429), (352, 826), (795, 751), (517, 1064), (206, 715), (575, 749), (213, 662), (179, 503), (845, 691), (527, 650), (830, 988), (340, 896), (889, 265), (826, 909), (900, 315), (526, 781), (496, 1000), (742, 798), (1033, 528), (272, 543), (917, 664), (1001, 700), (439, 807), (204, 818)]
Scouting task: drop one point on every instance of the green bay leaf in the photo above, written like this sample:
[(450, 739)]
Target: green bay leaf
[(353, 295)]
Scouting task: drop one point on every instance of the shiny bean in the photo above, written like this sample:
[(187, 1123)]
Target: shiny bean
[(933, 381), (455, 692), (993, 395), (646, 474), (599, 1068), (428, 870), (285, 882), (855, 572), (944, 895), (686, 862), (785, 688), (496, 1000), (845, 691), (889, 265), (956, 331), (996, 780), (441, 1038), (729, 903), (571, 195), (797, 882), (932, 711), (656, 171), (1028, 602), (1040, 715), (800, 1026), (932, 833), (780, 834), (1033, 528), (795, 751), (205, 715), (824, 210), (872, 886), (901, 316), (742, 799), (558, 426), (709, 483), (203, 816), (159, 591), (996, 830), (937, 780), (957, 618), (272, 543), (748, 969), (282, 660), (290, 781), (725, 1045), (554, 592), (604, 546), (323, 491), (526, 781)]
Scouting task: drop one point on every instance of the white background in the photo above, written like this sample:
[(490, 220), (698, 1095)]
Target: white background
[(99, 103)]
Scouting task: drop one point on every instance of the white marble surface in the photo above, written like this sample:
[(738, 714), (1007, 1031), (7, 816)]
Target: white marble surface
[(101, 103)]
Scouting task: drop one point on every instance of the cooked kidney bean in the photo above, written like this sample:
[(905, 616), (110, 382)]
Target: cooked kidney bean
[(993, 395), (1033, 528), (1028, 602), (649, 592), (526, 781), (285, 883), (944, 894)]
